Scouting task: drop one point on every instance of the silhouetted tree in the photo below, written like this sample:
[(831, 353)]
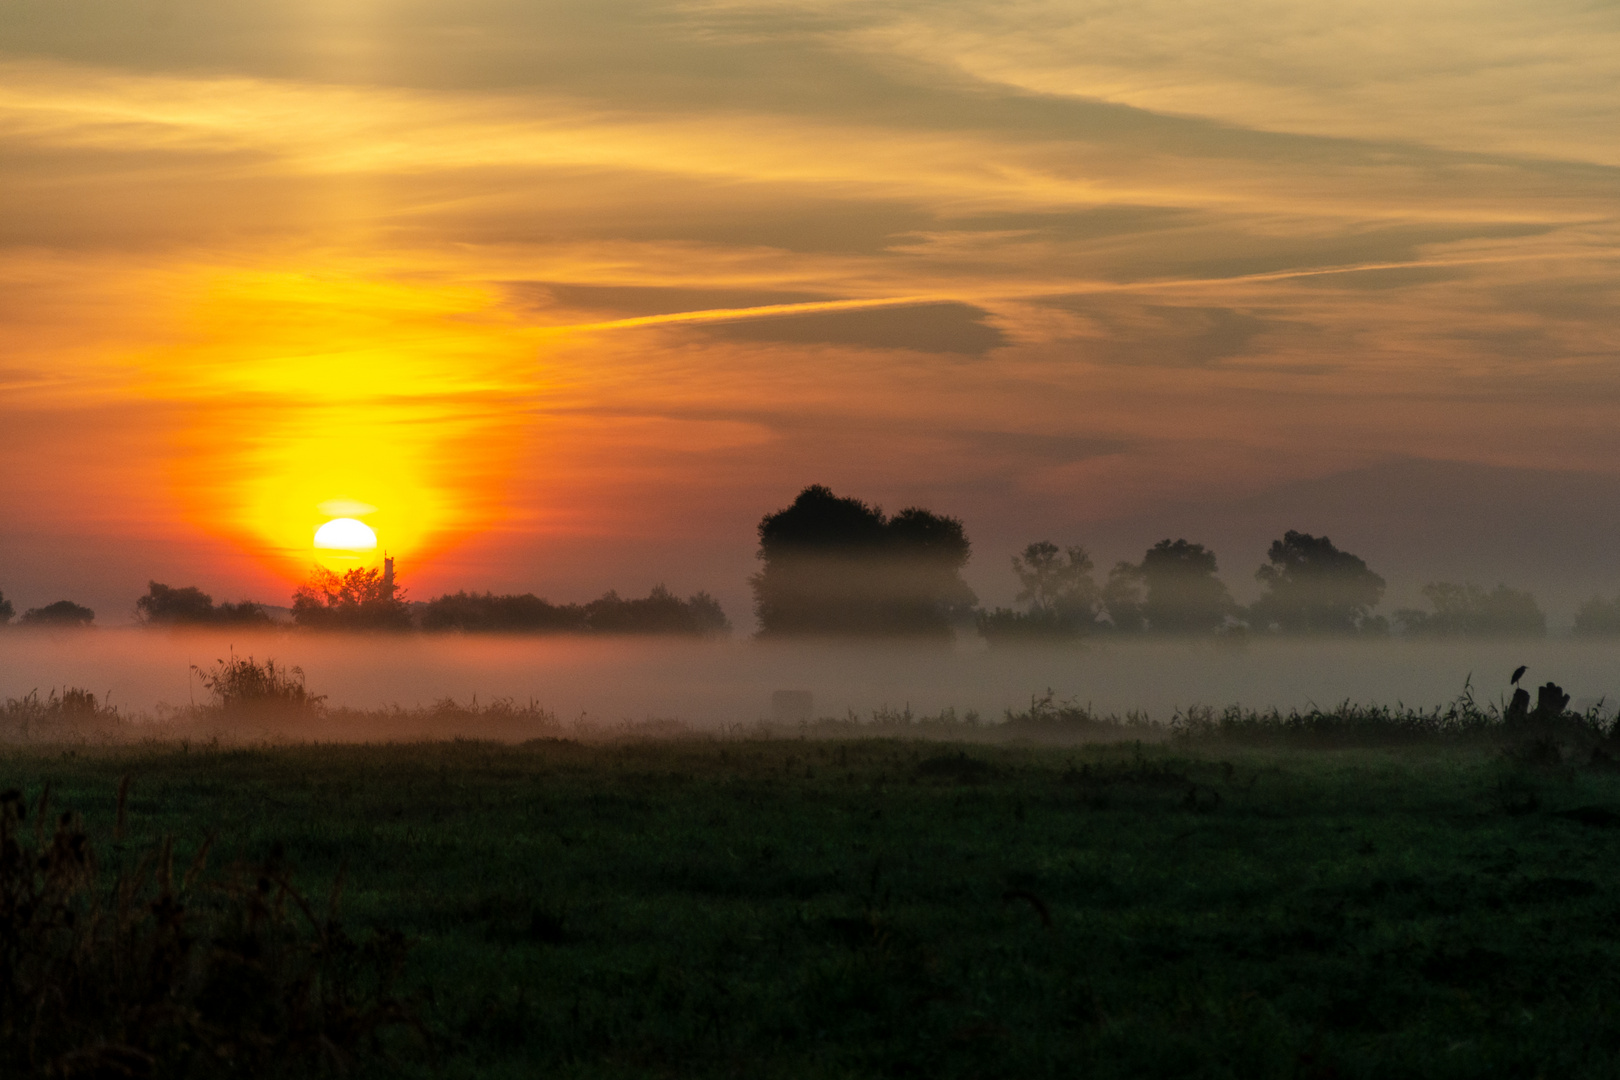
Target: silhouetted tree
[(6, 610), (361, 599), (1469, 611), (1173, 590), (61, 613), (491, 614), (164, 605), (1313, 587), (661, 612), (1598, 618), (838, 566), (1056, 585)]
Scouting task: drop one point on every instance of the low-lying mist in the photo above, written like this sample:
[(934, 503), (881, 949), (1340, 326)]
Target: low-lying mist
[(712, 684)]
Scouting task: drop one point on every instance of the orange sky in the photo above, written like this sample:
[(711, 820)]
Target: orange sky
[(574, 292)]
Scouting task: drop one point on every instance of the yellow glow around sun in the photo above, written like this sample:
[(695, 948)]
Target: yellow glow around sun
[(344, 396)]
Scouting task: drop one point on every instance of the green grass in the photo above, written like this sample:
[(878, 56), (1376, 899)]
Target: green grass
[(888, 908)]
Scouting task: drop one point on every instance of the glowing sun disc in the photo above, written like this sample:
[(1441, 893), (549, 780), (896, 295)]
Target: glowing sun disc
[(345, 534)]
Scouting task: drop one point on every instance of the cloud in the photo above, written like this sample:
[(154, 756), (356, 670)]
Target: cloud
[(948, 328), (632, 301), (1164, 335)]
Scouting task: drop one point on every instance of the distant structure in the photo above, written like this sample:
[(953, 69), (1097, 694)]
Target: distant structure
[(388, 577)]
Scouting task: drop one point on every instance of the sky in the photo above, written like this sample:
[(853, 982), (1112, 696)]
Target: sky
[(573, 293)]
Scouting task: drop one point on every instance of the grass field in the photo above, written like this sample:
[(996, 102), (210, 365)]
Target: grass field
[(873, 907)]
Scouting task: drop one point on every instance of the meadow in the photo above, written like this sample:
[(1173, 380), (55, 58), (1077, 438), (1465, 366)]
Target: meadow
[(1262, 897)]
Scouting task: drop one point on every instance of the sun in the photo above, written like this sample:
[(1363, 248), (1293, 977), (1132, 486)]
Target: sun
[(344, 540)]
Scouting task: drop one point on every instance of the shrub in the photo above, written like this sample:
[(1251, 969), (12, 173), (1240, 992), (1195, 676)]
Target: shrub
[(74, 711), (242, 685)]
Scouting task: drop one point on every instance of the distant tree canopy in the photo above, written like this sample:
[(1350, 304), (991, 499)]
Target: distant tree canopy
[(1311, 587), (1469, 611), (1598, 618), (61, 613), (486, 613), (1062, 600), (838, 566), (6, 610), (1173, 590), (359, 599), (660, 612), (165, 605)]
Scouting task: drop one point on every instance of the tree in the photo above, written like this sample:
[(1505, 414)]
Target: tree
[(661, 612), (1173, 590), (1056, 585), (491, 614), (1469, 611), (165, 605), (838, 566), (1122, 598), (61, 613), (1596, 618), (1313, 587), (361, 599), (6, 610)]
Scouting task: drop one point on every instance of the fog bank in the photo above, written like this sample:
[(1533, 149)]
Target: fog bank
[(711, 683)]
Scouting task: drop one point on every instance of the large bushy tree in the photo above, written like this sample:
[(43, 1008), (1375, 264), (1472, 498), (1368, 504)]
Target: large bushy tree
[(1061, 599), (6, 610), (166, 605), (1313, 587), (835, 565), (62, 613), (1173, 590)]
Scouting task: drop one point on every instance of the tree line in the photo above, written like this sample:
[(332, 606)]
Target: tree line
[(836, 566), (367, 599)]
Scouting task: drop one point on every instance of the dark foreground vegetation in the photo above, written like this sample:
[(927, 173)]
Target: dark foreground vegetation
[(1358, 892)]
